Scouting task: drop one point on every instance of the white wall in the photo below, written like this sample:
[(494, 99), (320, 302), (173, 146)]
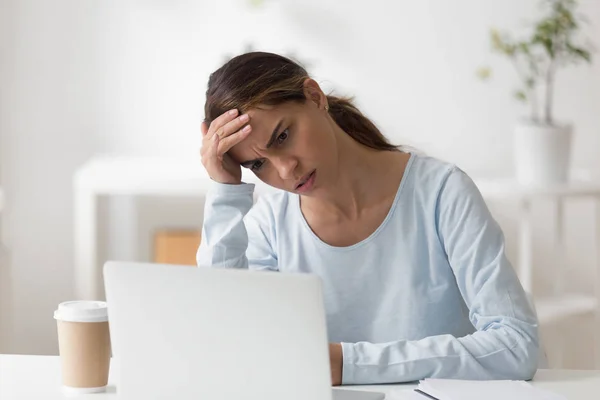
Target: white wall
[(82, 77), (5, 37), (51, 109)]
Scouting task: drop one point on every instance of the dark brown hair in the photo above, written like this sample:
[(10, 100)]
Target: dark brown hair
[(256, 78)]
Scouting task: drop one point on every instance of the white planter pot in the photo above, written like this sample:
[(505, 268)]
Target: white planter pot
[(542, 153)]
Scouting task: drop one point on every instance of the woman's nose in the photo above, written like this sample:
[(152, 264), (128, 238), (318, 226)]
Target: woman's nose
[(286, 167)]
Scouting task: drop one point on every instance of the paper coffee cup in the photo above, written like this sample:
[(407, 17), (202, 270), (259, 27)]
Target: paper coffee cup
[(84, 345)]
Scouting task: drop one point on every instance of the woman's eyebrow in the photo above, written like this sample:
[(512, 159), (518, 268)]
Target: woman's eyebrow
[(247, 164), (274, 134)]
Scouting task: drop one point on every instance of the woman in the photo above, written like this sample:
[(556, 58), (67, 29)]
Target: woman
[(416, 281)]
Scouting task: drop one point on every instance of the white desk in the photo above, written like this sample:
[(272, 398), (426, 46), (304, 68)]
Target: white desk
[(38, 377)]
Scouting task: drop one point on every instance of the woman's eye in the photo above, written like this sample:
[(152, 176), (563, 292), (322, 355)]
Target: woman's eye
[(282, 136), (256, 166)]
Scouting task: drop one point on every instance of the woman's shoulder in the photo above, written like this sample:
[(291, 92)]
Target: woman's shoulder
[(441, 178), (428, 171)]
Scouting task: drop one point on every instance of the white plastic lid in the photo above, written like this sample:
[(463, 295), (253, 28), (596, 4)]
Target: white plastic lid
[(82, 311)]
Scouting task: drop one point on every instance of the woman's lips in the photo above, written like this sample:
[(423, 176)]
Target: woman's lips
[(307, 183)]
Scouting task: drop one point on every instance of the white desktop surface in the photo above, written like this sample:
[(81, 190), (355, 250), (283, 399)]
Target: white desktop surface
[(38, 377)]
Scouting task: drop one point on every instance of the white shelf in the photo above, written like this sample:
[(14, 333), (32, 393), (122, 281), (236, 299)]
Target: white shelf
[(581, 184), (113, 175), (554, 309)]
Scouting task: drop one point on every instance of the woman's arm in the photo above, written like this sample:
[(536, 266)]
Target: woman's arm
[(229, 220), (505, 345)]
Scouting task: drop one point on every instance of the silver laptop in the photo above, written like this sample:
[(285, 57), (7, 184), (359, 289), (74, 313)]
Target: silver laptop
[(206, 333)]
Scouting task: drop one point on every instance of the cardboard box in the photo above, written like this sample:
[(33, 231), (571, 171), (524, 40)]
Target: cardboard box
[(176, 247)]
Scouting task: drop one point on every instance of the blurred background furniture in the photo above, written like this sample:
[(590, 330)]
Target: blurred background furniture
[(560, 303), (109, 176), (133, 176)]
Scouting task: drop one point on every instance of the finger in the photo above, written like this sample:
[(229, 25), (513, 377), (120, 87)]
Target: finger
[(209, 152), (207, 139), (227, 143), (233, 126), (206, 144), (215, 147), (222, 120)]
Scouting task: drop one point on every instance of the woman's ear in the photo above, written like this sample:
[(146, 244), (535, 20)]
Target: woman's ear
[(313, 93)]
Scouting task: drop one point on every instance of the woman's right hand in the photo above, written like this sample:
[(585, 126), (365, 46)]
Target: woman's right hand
[(224, 132)]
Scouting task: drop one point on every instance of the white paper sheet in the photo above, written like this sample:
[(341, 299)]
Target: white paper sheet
[(453, 389)]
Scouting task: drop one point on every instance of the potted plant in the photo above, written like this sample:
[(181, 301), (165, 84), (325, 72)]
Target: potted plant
[(542, 144)]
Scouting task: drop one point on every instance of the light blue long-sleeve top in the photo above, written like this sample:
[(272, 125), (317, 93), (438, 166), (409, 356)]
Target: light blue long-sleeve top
[(429, 294)]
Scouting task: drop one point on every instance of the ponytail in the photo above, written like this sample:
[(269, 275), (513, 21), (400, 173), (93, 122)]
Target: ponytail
[(355, 124)]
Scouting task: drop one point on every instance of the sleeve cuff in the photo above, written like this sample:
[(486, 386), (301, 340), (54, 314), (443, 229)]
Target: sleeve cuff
[(348, 355), (224, 188)]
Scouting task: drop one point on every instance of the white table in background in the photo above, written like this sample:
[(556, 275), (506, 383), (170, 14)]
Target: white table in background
[(38, 377)]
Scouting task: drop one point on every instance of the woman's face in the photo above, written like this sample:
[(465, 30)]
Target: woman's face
[(292, 147)]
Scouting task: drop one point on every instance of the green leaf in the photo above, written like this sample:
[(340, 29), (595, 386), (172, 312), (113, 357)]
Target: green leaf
[(483, 73), (524, 47), (578, 52), (256, 3), (496, 40), (546, 43), (530, 82), (520, 95), (501, 44)]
